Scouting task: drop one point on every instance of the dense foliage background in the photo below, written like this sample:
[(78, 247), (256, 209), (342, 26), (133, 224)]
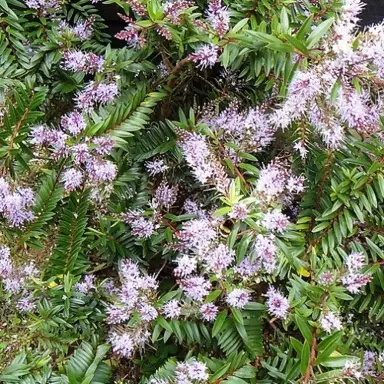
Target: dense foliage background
[(202, 205)]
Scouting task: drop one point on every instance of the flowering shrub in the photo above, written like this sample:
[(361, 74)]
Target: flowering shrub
[(203, 205)]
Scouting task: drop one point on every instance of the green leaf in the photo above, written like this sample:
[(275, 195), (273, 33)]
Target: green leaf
[(4, 5), (380, 180), (297, 44), (284, 20), (335, 91), (280, 47), (86, 366), (357, 211), (328, 377), (319, 32), (246, 372), (240, 25), (374, 248), (234, 380), (220, 373), (348, 220), (304, 357), (219, 322), (222, 211), (225, 58), (337, 361), (232, 238), (305, 328), (252, 306), (327, 346), (91, 371), (296, 345), (371, 196), (160, 320), (213, 296), (305, 28), (237, 315), (168, 296), (48, 196), (243, 247), (321, 226)]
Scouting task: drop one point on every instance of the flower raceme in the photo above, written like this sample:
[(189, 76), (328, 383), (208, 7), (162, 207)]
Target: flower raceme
[(324, 95), (78, 61), (238, 298), (16, 204), (87, 155), (277, 304), (156, 167), (330, 322), (206, 56), (16, 277), (96, 94), (218, 17), (354, 280)]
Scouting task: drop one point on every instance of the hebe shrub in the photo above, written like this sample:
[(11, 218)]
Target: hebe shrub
[(204, 205)]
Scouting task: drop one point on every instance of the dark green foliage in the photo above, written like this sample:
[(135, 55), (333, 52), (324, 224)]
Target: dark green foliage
[(50, 193), (67, 255), (22, 110), (82, 235), (85, 366)]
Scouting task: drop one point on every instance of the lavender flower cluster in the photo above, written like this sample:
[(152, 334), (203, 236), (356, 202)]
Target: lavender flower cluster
[(199, 246), (250, 130), (165, 196), (16, 204), (44, 6), (264, 252), (87, 285), (82, 30), (156, 167), (352, 278), (216, 273), (311, 93), (238, 298), (201, 160), (14, 278), (365, 369), (239, 211), (198, 240), (131, 33), (277, 304), (264, 256), (78, 61), (141, 226), (133, 300), (95, 94), (138, 7), (173, 10), (87, 155), (206, 56), (277, 183), (218, 17), (330, 322), (191, 372), (201, 252), (174, 309)]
